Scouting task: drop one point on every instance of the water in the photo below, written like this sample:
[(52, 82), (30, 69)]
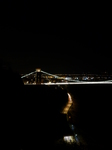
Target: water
[(92, 112)]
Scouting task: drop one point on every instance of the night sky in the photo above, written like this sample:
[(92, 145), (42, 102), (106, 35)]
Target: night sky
[(58, 38)]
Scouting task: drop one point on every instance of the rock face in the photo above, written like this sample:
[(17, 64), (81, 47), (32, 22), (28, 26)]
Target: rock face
[(29, 114)]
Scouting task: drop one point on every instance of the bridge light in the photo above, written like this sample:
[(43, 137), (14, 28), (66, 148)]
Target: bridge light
[(38, 70)]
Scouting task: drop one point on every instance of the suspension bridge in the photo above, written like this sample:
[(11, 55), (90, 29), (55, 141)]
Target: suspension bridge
[(48, 79)]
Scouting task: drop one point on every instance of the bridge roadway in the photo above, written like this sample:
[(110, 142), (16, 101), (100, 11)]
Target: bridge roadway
[(77, 82)]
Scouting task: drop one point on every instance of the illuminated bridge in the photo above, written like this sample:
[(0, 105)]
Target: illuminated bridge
[(44, 78)]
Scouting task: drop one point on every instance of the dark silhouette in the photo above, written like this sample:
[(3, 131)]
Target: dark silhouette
[(10, 101), (29, 114)]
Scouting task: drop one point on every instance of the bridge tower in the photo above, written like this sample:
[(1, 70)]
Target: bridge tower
[(38, 76)]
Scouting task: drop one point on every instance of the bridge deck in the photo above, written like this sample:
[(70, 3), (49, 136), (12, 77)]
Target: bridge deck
[(67, 83)]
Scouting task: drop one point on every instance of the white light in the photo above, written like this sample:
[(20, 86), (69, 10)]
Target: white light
[(38, 70), (68, 139), (79, 82)]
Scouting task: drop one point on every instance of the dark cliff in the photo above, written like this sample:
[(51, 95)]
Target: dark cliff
[(28, 113)]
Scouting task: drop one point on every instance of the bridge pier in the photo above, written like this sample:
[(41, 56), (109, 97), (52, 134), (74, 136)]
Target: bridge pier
[(38, 76)]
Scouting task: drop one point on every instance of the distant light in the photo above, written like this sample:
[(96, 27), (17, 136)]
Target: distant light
[(72, 127), (38, 70), (69, 139), (68, 78), (70, 99), (76, 138)]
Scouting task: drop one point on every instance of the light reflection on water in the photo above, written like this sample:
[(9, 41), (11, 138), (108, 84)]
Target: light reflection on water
[(92, 112), (68, 105)]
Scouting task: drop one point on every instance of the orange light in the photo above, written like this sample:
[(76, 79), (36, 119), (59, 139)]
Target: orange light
[(38, 70)]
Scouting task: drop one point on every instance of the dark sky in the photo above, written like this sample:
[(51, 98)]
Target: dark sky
[(58, 38)]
